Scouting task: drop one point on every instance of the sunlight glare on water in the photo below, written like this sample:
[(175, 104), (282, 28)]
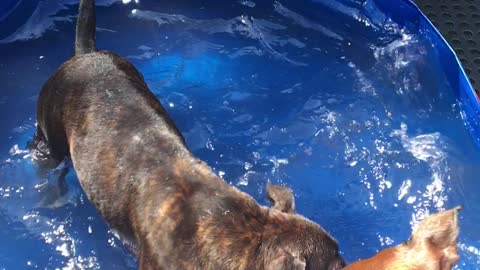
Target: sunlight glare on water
[(331, 98)]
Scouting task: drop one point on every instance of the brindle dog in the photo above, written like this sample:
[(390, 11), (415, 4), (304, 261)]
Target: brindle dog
[(136, 169)]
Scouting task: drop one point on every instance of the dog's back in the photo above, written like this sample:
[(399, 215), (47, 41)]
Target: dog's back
[(98, 83), (93, 82)]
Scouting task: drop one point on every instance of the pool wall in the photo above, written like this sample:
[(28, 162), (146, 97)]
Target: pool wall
[(408, 13)]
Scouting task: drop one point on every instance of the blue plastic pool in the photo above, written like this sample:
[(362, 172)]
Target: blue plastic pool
[(358, 105)]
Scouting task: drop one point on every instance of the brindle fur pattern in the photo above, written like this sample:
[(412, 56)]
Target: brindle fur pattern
[(135, 168)]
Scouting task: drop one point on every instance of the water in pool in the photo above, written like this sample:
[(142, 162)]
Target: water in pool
[(333, 99)]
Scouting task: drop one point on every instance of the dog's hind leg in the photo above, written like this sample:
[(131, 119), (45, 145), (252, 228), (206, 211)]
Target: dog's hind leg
[(53, 190), (51, 171), (40, 151)]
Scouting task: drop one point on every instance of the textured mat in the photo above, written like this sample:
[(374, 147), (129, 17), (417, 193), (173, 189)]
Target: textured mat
[(459, 23)]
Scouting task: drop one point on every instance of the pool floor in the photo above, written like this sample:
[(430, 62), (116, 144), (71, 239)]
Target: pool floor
[(331, 98)]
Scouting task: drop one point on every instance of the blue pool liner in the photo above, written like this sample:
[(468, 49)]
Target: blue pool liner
[(407, 12)]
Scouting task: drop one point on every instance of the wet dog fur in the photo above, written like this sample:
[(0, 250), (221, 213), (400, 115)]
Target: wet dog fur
[(135, 167)]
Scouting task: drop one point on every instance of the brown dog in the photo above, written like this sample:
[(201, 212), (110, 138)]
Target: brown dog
[(135, 168), (432, 246)]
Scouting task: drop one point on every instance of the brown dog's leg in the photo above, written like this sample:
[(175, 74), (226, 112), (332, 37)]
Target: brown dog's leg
[(41, 152), (51, 172), (54, 188)]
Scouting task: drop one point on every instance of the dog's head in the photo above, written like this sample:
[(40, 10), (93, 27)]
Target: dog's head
[(433, 246), (291, 242)]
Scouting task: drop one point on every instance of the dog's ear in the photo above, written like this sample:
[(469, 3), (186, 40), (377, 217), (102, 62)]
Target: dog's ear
[(439, 233), (281, 198), (286, 261)]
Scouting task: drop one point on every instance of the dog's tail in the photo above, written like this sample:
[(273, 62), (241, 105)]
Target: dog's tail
[(85, 37)]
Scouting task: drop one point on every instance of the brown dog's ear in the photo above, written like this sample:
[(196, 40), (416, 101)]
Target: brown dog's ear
[(281, 198), (439, 232), (286, 261)]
